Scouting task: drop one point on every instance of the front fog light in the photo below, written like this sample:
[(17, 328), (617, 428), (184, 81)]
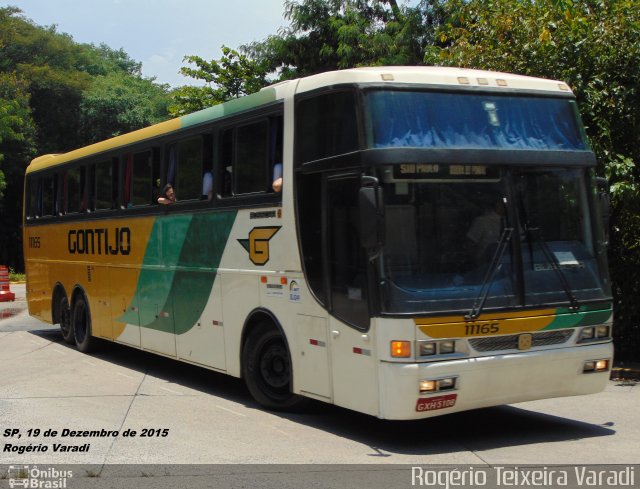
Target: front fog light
[(446, 384), (428, 386), (596, 366), (437, 385)]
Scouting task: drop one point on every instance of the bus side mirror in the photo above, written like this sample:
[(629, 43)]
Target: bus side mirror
[(371, 219), (605, 204)]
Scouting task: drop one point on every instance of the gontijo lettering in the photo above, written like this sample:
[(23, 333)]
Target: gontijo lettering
[(99, 241)]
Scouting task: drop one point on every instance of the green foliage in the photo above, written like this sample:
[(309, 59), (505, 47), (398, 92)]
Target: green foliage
[(17, 147), (232, 76), (56, 95), (336, 34), (117, 103)]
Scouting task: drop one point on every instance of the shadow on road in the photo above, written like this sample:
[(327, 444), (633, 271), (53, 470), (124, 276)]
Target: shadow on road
[(478, 430)]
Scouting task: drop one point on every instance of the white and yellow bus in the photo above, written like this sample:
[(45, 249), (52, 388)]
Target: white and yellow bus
[(436, 246)]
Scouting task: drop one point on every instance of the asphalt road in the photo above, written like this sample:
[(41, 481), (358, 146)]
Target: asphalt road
[(193, 416)]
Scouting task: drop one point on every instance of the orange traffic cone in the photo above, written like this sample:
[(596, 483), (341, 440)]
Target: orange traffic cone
[(5, 291)]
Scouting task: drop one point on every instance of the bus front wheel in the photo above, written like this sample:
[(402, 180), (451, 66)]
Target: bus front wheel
[(81, 322), (266, 368)]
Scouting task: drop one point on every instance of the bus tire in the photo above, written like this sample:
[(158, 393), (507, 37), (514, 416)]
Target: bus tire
[(64, 312), (81, 322), (266, 368)]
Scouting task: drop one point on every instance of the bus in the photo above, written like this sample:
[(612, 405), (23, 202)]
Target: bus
[(436, 246)]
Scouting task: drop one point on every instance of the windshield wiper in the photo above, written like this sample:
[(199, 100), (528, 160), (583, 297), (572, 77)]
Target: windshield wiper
[(535, 232), (490, 276)]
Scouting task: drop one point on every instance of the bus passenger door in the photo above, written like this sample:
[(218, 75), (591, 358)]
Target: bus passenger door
[(352, 354), (124, 306)]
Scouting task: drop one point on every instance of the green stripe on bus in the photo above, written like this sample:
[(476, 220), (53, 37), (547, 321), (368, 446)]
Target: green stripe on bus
[(180, 266), (229, 108), (585, 316)]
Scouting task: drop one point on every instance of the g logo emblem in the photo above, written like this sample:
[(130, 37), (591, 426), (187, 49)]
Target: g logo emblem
[(258, 244)]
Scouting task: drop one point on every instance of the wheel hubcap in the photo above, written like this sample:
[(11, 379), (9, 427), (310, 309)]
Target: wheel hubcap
[(274, 366)]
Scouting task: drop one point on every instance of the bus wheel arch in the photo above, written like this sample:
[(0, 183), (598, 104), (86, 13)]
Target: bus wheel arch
[(61, 312), (266, 363), (81, 321)]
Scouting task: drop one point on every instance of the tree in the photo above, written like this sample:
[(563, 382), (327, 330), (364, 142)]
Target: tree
[(57, 95), (232, 76), (336, 34), (117, 103), (17, 146)]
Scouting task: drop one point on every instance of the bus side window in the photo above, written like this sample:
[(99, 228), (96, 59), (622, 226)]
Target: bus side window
[(207, 167), (250, 168), (226, 162), (70, 191), (185, 171), (32, 198), (105, 181), (138, 178), (48, 196), (84, 189), (275, 153)]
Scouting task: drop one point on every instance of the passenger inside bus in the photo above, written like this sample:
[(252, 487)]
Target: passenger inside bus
[(277, 177), (168, 195), (207, 186), (486, 228)]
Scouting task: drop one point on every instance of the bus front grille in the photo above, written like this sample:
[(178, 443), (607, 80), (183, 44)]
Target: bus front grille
[(499, 343)]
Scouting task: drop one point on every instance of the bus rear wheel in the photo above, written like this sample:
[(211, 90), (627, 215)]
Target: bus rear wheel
[(266, 368), (81, 322), (65, 320)]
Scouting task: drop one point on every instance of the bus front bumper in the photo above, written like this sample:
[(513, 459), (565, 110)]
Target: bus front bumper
[(490, 381)]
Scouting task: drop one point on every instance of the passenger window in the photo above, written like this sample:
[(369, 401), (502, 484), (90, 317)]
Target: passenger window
[(32, 200), (42, 196), (138, 178), (226, 161), (326, 125), (250, 169), (185, 168), (104, 185), (70, 191)]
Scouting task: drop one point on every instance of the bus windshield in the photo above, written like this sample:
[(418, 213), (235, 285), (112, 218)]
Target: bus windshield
[(443, 233), (448, 120)]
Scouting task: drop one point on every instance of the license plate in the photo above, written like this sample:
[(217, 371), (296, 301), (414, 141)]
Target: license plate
[(439, 402)]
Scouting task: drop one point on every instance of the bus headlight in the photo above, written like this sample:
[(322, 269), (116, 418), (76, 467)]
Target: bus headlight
[(447, 347), (596, 366), (430, 348), (427, 348), (594, 333), (587, 334)]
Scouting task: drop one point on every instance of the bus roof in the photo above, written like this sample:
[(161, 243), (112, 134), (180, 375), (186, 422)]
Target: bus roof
[(432, 75), (418, 75)]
